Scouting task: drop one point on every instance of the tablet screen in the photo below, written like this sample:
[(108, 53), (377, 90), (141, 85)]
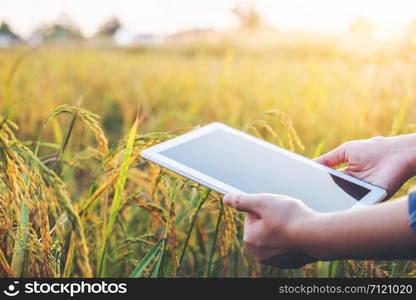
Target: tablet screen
[(254, 168)]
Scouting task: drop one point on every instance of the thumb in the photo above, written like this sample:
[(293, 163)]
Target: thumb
[(333, 158), (346, 171), (243, 202)]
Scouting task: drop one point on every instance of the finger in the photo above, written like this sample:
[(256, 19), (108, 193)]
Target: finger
[(250, 219), (333, 158), (252, 227), (244, 202)]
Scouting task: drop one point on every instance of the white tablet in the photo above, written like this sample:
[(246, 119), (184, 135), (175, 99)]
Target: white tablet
[(227, 160)]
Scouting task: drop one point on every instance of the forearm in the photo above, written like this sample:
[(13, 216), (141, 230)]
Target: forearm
[(377, 232)]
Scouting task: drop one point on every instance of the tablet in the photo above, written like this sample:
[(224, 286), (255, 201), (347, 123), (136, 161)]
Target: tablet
[(228, 160)]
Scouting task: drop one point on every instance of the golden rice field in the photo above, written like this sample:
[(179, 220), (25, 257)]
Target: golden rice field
[(76, 198)]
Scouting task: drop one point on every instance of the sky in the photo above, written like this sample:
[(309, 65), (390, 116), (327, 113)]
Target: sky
[(167, 16)]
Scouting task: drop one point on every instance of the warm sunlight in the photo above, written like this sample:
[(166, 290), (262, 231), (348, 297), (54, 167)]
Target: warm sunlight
[(165, 16)]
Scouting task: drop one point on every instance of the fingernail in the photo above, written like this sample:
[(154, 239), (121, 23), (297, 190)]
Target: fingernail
[(228, 200)]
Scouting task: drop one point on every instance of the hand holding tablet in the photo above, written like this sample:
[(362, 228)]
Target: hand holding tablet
[(227, 160)]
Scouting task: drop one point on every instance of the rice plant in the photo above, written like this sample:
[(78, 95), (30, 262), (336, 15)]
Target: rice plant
[(77, 199)]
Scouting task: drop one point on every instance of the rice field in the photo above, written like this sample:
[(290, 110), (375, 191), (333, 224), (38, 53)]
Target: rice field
[(76, 198)]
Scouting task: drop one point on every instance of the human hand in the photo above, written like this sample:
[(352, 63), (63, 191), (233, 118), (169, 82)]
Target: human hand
[(271, 227), (387, 162)]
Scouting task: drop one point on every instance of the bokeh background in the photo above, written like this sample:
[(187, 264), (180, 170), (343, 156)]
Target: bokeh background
[(307, 75), (325, 64)]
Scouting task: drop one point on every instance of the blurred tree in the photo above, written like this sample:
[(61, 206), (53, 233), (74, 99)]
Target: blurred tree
[(5, 30), (109, 27), (248, 17), (7, 36), (64, 29)]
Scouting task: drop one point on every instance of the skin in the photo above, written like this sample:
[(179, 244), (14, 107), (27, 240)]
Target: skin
[(283, 232)]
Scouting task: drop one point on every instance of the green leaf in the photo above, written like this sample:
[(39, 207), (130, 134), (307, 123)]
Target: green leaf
[(202, 198), (118, 197), (156, 268), (20, 243), (138, 271)]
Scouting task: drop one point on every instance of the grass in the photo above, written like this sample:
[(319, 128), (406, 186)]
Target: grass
[(116, 202), (76, 198)]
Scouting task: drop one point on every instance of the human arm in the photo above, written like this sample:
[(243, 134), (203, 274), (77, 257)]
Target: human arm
[(283, 232), (375, 232)]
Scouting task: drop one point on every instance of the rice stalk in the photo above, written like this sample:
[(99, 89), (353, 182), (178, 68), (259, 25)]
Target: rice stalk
[(117, 199), (69, 263), (214, 241), (284, 121), (65, 140), (170, 234), (202, 198), (64, 200), (85, 116), (6, 267)]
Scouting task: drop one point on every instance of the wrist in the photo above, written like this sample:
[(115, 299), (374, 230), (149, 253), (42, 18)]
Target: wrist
[(405, 147), (311, 235)]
